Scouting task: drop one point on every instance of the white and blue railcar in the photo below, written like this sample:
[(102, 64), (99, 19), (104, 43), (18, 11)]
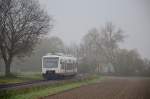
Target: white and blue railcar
[(58, 66)]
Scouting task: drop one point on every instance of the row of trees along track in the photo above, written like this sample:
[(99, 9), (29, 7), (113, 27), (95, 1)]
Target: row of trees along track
[(101, 48), (22, 23)]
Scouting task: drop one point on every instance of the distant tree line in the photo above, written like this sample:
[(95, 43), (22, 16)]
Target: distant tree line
[(101, 46)]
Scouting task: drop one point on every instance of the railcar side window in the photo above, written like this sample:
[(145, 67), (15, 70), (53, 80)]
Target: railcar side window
[(63, 65), (68, 65)]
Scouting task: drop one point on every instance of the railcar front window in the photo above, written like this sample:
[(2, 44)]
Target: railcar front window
[(50, 62)]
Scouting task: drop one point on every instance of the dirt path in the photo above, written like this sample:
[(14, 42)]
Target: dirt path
[(116, 88)]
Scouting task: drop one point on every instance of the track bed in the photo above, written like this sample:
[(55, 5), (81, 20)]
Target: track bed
[(41, 82)]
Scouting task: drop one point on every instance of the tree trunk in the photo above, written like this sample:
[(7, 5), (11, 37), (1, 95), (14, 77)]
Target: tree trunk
[(7, 58), (7, 68)]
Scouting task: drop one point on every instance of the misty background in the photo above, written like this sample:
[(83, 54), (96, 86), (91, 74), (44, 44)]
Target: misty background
[(74, 18)]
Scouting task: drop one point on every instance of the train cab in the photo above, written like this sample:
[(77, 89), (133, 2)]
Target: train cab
[(58, 66)]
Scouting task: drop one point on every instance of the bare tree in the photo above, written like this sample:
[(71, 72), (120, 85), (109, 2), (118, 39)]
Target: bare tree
[(111, 37), (22, 23), (72, 49), (91, 49), (99, 47)]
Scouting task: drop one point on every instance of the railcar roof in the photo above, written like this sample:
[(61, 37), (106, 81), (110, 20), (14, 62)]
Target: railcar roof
[(61, 56)]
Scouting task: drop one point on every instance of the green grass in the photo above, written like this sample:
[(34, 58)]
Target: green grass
[(18, 78), (41, 91)]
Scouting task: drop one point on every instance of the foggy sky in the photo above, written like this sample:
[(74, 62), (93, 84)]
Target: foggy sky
[(73, 19)]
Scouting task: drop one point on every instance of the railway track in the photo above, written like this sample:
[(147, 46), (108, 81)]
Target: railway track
[(39, 83), (31, 84), (14, 85)]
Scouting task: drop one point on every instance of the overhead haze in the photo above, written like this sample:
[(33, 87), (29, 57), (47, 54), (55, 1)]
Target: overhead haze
[(73, 19)]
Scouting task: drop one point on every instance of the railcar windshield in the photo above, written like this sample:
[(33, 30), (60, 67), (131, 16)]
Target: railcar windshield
[(50, 62)]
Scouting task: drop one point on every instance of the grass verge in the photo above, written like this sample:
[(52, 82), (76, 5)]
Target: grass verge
[(41, 91), (19, 78)]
